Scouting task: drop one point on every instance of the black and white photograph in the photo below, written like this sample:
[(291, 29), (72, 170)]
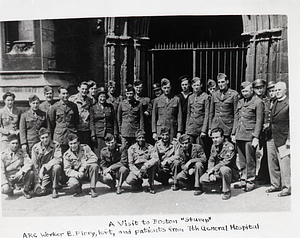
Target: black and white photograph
[(153, 124)]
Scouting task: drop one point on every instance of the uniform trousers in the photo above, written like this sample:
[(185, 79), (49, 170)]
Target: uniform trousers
[(247, 160), (99, 145), (279, 168), (263, 172), (91, 174), (169, 170), (184, 176), (134, 180), (52, 176), (119, 172), (25, 180), (224, 173)]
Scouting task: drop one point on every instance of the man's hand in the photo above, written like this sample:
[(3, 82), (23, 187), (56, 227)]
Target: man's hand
[(255, 142), (202, 134), (178, 135), (107, 170), (233, 138), (212, 178), (24, 148), (42, 172), (146, 113), (186, 166), (79, 175), (93, 138), (154, 136), (209, 132), (143, 171)]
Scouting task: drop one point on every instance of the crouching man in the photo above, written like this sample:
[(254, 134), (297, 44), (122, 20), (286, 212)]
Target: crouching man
[(141, 165), (113, 162), (16, 169), (193, 161), (80, 162), (221, 163), (47, 159)]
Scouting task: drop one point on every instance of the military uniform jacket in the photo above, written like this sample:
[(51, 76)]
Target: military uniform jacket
[(115, 101), (222, 110), (130, 117), (249, 119), (280, 124), (167, 112), (46, 156), (113, 159), (45, 106), (11, 163), (30, 124), (64, 120), (74, 161), (103, 120), (83, 105), (197, 114), (164, 153), (9, 120), (225, 156), (138, 156), (195, 153), (184, 107)]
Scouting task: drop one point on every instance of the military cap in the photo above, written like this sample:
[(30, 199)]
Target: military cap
[(12, 137), (245, 84), (8, 94), (47, 88), (100, 91), (43, 131), (183, 78), (258, 82), (221, 76), (195, 79), (156, 87), (91, 83), (63, 87), (271, 84), (129, 88), (165, 129), (140, 132), (33, 98), (183, 138), (137, 82), (72, 137), (111, 83), (211, 83), (109, 137), (164, 82)]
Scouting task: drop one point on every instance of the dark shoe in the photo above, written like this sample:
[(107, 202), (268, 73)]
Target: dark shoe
[(150, 190), (54, 193), (272, 190), (11, 193), (226, 196), (284, 194), (26, 194), (78, 192), (175, 187), (94, 194), (198, 192), (119, 190)]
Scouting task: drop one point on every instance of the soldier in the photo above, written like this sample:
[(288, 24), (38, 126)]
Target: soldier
[(93, 91), (193, 162), (167, 112), (80, 163), (130, 118), (9, 119), (197, 113), (279, 157), (112, 99), (156, 90), (146, 106), (223, 106), (221, 163), (16, 169), (84, 104), (47, 160), (164, 152), (246, 132), (113, 162), (211, 86), (141, 165), (184, 97), (49, 94), (30, 124), (64, 118)]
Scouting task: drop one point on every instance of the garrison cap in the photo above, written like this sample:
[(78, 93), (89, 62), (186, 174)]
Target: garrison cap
[(72, 137), (129, 88), (33, 98), (137, 82), (109, 137), (183, 138), (43, 131), (12, 137), (100, 91), (221, 76), (165, 81), (156, 87), (165, 129), (111, 83), (47, 88), (184, 78), (211, 83), (245, 84), (195, 79), (258, 82), (140, 133), (271, 84)]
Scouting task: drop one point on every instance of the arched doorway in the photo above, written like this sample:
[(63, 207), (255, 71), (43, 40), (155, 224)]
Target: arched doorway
[(199, 46)]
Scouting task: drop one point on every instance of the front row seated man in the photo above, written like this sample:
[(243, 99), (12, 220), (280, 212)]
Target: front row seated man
[(113, 162), (16, 169), (80, 162), (47, 160), (221, 163), (193, 161), (141, 164)]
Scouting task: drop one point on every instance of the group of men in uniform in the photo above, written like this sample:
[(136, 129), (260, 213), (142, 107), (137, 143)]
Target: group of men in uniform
[(193, 138)]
